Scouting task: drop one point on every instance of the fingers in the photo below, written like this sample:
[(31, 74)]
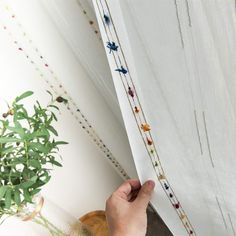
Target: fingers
[(145, 194), (127, 187)]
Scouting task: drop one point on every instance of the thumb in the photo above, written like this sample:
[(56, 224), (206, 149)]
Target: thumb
[(145, 194)]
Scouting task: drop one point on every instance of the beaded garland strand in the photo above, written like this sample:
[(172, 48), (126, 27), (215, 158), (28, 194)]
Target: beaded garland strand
[(90, 21), (115, 50), (71, 105)]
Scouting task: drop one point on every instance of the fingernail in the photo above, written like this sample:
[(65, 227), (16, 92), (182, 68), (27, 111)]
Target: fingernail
[(151, 184)]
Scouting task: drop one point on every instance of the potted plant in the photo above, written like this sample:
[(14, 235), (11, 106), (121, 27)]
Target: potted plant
[(28, 153)]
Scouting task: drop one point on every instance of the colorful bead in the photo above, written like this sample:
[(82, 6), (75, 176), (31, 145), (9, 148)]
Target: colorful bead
[(112, 46), (149, 141), (60, 99), (161, 177), (166, 186), (145, 127), (155, 164), (107, 19), (171, 195), (130, 92), (4, 115), (122, 70), (136, 109), (176, 205)]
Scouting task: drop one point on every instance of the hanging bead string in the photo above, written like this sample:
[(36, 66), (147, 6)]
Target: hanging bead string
[(71, 106), (128, 84), (90, 20), (166, 186)]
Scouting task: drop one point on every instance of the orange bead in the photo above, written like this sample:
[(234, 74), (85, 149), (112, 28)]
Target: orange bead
[(145, 127), (136, 109)]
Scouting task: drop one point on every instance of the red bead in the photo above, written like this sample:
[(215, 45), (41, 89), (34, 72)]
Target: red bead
[(149, 141), (177, 205), (46, 65), (20, 49)]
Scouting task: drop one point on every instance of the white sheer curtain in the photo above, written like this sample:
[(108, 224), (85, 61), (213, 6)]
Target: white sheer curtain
[(181, 57)]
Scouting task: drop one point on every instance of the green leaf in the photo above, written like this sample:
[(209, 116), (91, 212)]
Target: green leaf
[(28, 183), (56, 163), (18, 130), (40, 147), (54, 107), (35, 163), (8, 149), (8, 198), (17, 197), (35, 191), (40, 133), (50, 94), (3, 190), (8, 140), (27, 195), (54, 116), (50, 128), (24, 95), (39, 106), (61, 143)]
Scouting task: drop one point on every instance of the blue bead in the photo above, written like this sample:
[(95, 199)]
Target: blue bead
[(107, 19), (112, 46), (122, 70)]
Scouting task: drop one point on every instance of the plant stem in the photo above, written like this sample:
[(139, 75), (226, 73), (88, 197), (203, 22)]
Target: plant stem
[(48, 225), (26, 153)]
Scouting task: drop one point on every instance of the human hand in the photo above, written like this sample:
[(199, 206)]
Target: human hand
[(126, 208)]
